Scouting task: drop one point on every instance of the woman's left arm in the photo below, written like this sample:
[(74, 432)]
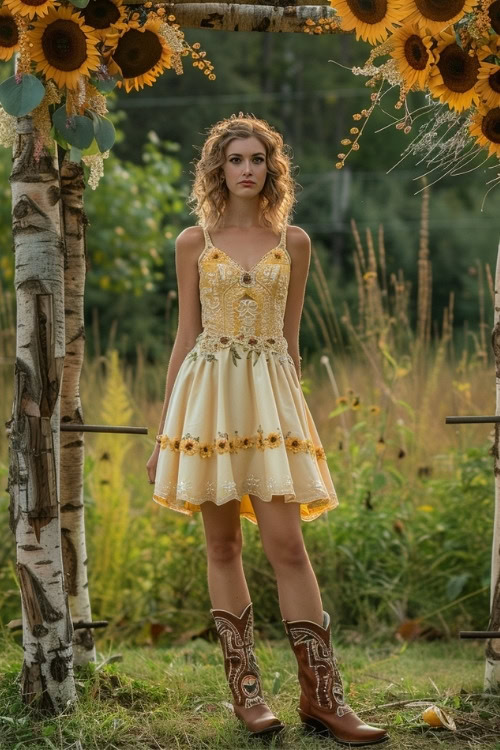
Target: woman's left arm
[(299, 249)]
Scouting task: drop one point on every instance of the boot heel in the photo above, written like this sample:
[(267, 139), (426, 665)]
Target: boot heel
[(313, 724)]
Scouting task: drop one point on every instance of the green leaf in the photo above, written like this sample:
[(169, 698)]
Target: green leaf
[(341, 408), (396, 475), (77, 130), (75, 154), (379, 481), (79, 3), (276, 683), (107, 84), (18, 99), (58, 138), (456, 584), (104, 131), (92, 149), (406, 406)]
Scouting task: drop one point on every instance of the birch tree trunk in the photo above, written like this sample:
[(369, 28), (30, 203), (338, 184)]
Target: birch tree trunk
[(492, 670), (245, 16), (33, 484), (74, 549)]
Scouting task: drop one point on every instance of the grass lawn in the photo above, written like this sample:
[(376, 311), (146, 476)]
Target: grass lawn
[(178, 698)]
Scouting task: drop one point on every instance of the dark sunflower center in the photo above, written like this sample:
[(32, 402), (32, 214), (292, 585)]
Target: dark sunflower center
[(494, 81), (368, 11), (100, 14), (458, 69), (494, 11), (439, 10), (9, 35), (416, 53), (491, 125), (34, 3), (137, 52), (64, 44)]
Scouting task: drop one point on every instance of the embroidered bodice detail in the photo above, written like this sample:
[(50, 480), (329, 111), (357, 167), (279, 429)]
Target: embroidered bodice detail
[(243, 309)]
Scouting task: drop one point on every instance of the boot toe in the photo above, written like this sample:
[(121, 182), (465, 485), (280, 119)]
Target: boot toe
[(259, 719)]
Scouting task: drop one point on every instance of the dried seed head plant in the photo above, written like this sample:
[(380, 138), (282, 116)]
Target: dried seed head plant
[(450, 50)]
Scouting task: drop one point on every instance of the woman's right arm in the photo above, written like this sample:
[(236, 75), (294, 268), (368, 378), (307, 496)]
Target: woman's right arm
[(188, 247)]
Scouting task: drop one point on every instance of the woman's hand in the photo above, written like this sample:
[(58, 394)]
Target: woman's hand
[(152, 463)]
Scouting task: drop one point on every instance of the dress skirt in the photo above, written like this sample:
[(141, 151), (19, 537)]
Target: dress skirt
[(238, 424)]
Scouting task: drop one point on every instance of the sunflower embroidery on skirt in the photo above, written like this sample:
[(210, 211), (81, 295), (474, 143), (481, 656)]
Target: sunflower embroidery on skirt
[(225, 444)]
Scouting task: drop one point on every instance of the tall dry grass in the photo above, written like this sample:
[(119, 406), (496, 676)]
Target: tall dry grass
[(382, 358)]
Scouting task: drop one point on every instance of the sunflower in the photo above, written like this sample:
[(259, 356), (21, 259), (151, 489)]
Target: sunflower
[(485, 127), (372, 20), (436, 15), (413, 55), (105, 17), (64, 48), (9, 34), (494, 14), (454, 76), (488, 84), (29, 8), (141, 55)]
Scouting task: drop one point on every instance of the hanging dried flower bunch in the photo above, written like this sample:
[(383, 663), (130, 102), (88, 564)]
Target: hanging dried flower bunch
[(450, 50), (73, 57)]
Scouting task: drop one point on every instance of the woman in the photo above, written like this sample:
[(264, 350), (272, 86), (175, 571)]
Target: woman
[(236, 435)]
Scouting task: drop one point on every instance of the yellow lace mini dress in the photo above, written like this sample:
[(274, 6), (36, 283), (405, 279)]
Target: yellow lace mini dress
[(237, 422)]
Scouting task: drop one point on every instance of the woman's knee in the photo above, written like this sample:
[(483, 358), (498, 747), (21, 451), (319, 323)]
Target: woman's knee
[(286, 551), (222, 531), (224, 549)]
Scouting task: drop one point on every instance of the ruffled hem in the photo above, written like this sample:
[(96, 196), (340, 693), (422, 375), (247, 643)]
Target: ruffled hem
[(311, 506)]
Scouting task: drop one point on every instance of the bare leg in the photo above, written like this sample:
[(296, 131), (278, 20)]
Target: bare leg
[(283, 543), (226, 580)]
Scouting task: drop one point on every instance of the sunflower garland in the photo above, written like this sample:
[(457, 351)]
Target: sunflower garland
[(29, 8), (453, 79), (63, 47), (371, 20), (80, 55), (141, 54), (450, 50), (485, 127), (106, 18), (436, 15), (9, 34), (488, 84), (413, 53)]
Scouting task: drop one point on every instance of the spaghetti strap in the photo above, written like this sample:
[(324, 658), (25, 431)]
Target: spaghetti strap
[(208, 240), (207, 246), (283, 236)]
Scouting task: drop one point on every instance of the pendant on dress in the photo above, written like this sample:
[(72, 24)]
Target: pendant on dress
[(247, 278)]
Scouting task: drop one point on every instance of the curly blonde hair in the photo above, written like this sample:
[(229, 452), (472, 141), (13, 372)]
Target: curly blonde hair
[(209, 193)]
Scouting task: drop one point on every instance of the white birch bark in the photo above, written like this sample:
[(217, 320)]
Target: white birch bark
[(33, 484), (239, 16), (74, 549), (492, 668)]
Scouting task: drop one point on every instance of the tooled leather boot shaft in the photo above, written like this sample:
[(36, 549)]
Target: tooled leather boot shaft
[(318, 673), (242, 672)]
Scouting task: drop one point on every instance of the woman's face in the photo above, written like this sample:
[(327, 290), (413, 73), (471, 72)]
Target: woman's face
[(245, 160)]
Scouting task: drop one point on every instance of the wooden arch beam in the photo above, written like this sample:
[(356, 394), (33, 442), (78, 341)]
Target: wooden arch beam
[(240, 15)]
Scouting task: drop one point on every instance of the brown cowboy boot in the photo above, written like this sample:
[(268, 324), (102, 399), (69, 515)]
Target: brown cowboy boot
[(322, 705), (236, 637)]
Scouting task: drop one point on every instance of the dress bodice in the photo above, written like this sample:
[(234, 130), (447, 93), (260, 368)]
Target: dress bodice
[(240, 305)]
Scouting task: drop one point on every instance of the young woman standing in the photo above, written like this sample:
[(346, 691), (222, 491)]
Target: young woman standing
[(236, 435)]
